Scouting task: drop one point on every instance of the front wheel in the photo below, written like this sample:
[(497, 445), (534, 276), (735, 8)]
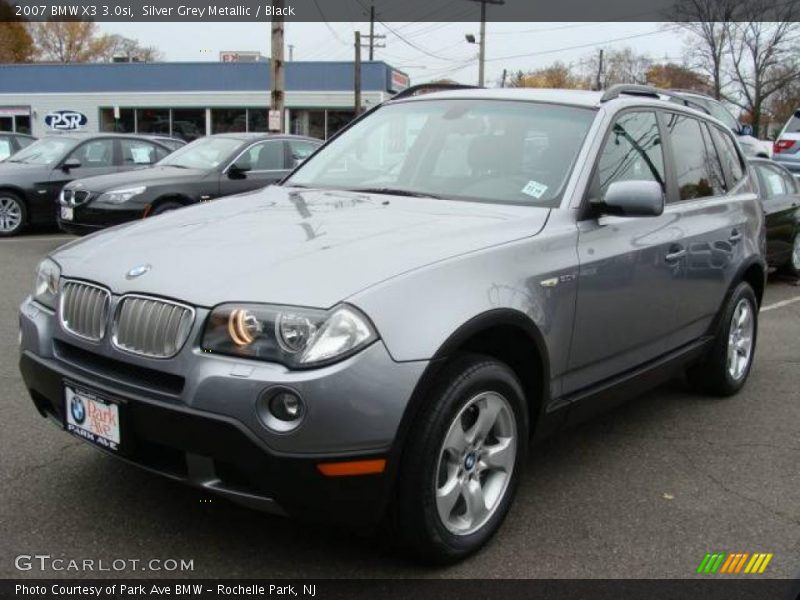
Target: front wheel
[(463, 460), (12, 214), (725, 370)]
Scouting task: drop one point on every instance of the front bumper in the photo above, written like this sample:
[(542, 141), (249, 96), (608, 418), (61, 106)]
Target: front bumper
[(94, 216), (193, 418)]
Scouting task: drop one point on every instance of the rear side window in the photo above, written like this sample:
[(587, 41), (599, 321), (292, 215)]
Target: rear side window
[(772, 182), (793, 125), (728, 155), (137, 152), (632, 152), (696, 161)]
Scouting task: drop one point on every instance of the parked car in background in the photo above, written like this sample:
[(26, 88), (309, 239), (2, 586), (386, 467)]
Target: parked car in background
[(209, 167), (780, 196), (31, 180), (384, 333), (752, 146), (11, 143), (786, 149)]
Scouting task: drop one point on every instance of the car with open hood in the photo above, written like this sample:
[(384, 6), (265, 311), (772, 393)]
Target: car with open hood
[(380, 337)]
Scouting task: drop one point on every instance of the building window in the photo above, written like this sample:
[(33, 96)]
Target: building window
[(228, 120), (153, 120), (6, 123), (125, 124), (337, 119), (188, 123), (308, 122), (258, 119)]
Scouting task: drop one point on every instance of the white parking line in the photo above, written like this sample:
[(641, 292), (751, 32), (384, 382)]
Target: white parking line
[(780, 304), (37, 238)]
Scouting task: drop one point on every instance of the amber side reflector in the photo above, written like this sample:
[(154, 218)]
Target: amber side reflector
[(354, 467)]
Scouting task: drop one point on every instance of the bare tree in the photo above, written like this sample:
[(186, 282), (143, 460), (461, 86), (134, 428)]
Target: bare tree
[(619, 66), (131, 50), (70, 42), (764, 54), (705, 21)]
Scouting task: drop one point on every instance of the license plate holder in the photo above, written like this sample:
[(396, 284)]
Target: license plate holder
[(94, 417)]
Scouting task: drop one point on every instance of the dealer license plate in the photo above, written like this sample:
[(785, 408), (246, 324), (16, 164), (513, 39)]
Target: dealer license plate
[(92, 417), (67, 213)]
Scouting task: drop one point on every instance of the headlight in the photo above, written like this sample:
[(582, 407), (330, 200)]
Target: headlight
[(48, 274), (295, 337), (121, 196)]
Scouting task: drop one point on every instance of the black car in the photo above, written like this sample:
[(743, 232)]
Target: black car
[(207, 168), (31, 180), (11, 143), (780, 196)]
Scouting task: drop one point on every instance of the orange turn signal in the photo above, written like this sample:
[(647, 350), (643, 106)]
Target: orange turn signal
[(354, 467)]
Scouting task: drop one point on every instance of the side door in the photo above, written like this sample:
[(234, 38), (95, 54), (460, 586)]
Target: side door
[(715, 208), (780, 201), (256, 167), (94, 157), (626, 282)]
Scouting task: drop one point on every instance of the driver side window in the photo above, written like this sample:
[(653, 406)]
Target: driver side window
[(94, 154), (632, 152)]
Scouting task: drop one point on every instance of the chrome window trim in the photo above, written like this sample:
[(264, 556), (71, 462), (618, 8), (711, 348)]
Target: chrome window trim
[(115, 325), (62, 297)]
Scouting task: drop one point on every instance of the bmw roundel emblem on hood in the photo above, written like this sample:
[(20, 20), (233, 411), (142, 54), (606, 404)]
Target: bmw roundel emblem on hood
[(137, 271)]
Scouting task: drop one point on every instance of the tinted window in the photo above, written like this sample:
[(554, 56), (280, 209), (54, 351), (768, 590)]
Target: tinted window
[(695, 162), (772, 181), (95, 154), (728, 154), (714, 165), (266, 156), (301, 151), (137, 152), (632, 152), (459, 149)]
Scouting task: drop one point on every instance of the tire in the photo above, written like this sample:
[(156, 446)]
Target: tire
[(469, 388), (165, 207), (792, 267), (13, 214), (719, 374)]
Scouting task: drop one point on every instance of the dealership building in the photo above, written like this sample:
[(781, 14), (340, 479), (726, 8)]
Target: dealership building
[(186, 100)]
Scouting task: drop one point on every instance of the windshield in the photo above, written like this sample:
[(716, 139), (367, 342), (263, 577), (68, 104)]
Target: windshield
[(205, 153), (45, 151), (485, 150)]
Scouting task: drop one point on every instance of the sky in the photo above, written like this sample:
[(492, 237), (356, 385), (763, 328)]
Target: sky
[(426, 51)]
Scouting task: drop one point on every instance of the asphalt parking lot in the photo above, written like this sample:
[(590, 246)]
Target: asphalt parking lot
[(644, 491)]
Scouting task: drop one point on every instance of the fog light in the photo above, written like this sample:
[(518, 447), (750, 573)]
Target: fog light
[(281, 410), (286, 406)]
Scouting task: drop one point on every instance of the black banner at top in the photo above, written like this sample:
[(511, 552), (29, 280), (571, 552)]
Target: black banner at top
[(386, 10)]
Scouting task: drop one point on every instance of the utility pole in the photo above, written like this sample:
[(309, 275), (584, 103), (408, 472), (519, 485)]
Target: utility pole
[(482, 40), (357, 75), (503, 82), (600, 72), (276, 118), (372, 31)]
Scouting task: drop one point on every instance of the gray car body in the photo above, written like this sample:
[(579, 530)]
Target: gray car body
[(596, 298)]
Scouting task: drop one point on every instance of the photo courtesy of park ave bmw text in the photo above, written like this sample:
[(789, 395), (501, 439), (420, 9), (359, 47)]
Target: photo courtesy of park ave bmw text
[(375, 299)]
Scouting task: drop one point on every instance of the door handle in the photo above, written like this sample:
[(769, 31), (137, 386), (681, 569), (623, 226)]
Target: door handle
[(735, 237), (675, 252)]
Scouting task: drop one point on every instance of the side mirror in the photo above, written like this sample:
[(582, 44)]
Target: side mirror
[(634, 199), (746, 130), (238, 171), (70, 163)]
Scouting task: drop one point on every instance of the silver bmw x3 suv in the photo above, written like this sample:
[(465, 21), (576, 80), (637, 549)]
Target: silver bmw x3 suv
[(379, 338)]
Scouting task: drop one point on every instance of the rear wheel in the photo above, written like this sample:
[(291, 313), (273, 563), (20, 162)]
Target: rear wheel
[(463, 461), (725, 370), (793, 266), (165, 207), (12, 214)]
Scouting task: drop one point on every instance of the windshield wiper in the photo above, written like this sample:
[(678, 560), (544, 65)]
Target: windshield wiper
[(394, 192)]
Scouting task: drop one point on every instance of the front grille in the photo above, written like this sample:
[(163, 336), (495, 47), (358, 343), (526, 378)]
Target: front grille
[(151, 327), (76, 197), (84, 309)]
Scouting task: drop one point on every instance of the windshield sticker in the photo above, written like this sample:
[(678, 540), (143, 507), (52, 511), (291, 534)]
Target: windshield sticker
[(535, 189)]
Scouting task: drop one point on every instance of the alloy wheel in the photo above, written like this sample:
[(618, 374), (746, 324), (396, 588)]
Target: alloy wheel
[(740, 339), (10, 214), (796, 253), (476, 462)]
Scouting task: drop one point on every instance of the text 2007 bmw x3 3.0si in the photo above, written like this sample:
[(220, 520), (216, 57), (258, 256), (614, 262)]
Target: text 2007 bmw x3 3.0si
[(379, 338)]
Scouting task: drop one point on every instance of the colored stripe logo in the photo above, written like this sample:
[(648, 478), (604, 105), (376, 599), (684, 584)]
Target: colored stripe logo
[(734, 563)]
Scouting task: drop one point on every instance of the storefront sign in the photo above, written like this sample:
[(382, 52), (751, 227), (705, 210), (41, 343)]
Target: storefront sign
[(65, 120)]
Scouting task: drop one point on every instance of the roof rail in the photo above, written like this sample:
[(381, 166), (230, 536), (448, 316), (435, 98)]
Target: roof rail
[(427, 88), (633, 89)]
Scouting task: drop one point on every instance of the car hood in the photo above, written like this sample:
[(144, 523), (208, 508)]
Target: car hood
[(144, 176), (290, 246)]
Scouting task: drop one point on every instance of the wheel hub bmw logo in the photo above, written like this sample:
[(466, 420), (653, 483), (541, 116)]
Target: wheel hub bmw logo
[(137, 271), (78, 410), (469, 461)]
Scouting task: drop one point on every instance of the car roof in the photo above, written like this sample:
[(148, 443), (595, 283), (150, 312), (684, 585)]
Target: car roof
[(585, 98), (252, 136)]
